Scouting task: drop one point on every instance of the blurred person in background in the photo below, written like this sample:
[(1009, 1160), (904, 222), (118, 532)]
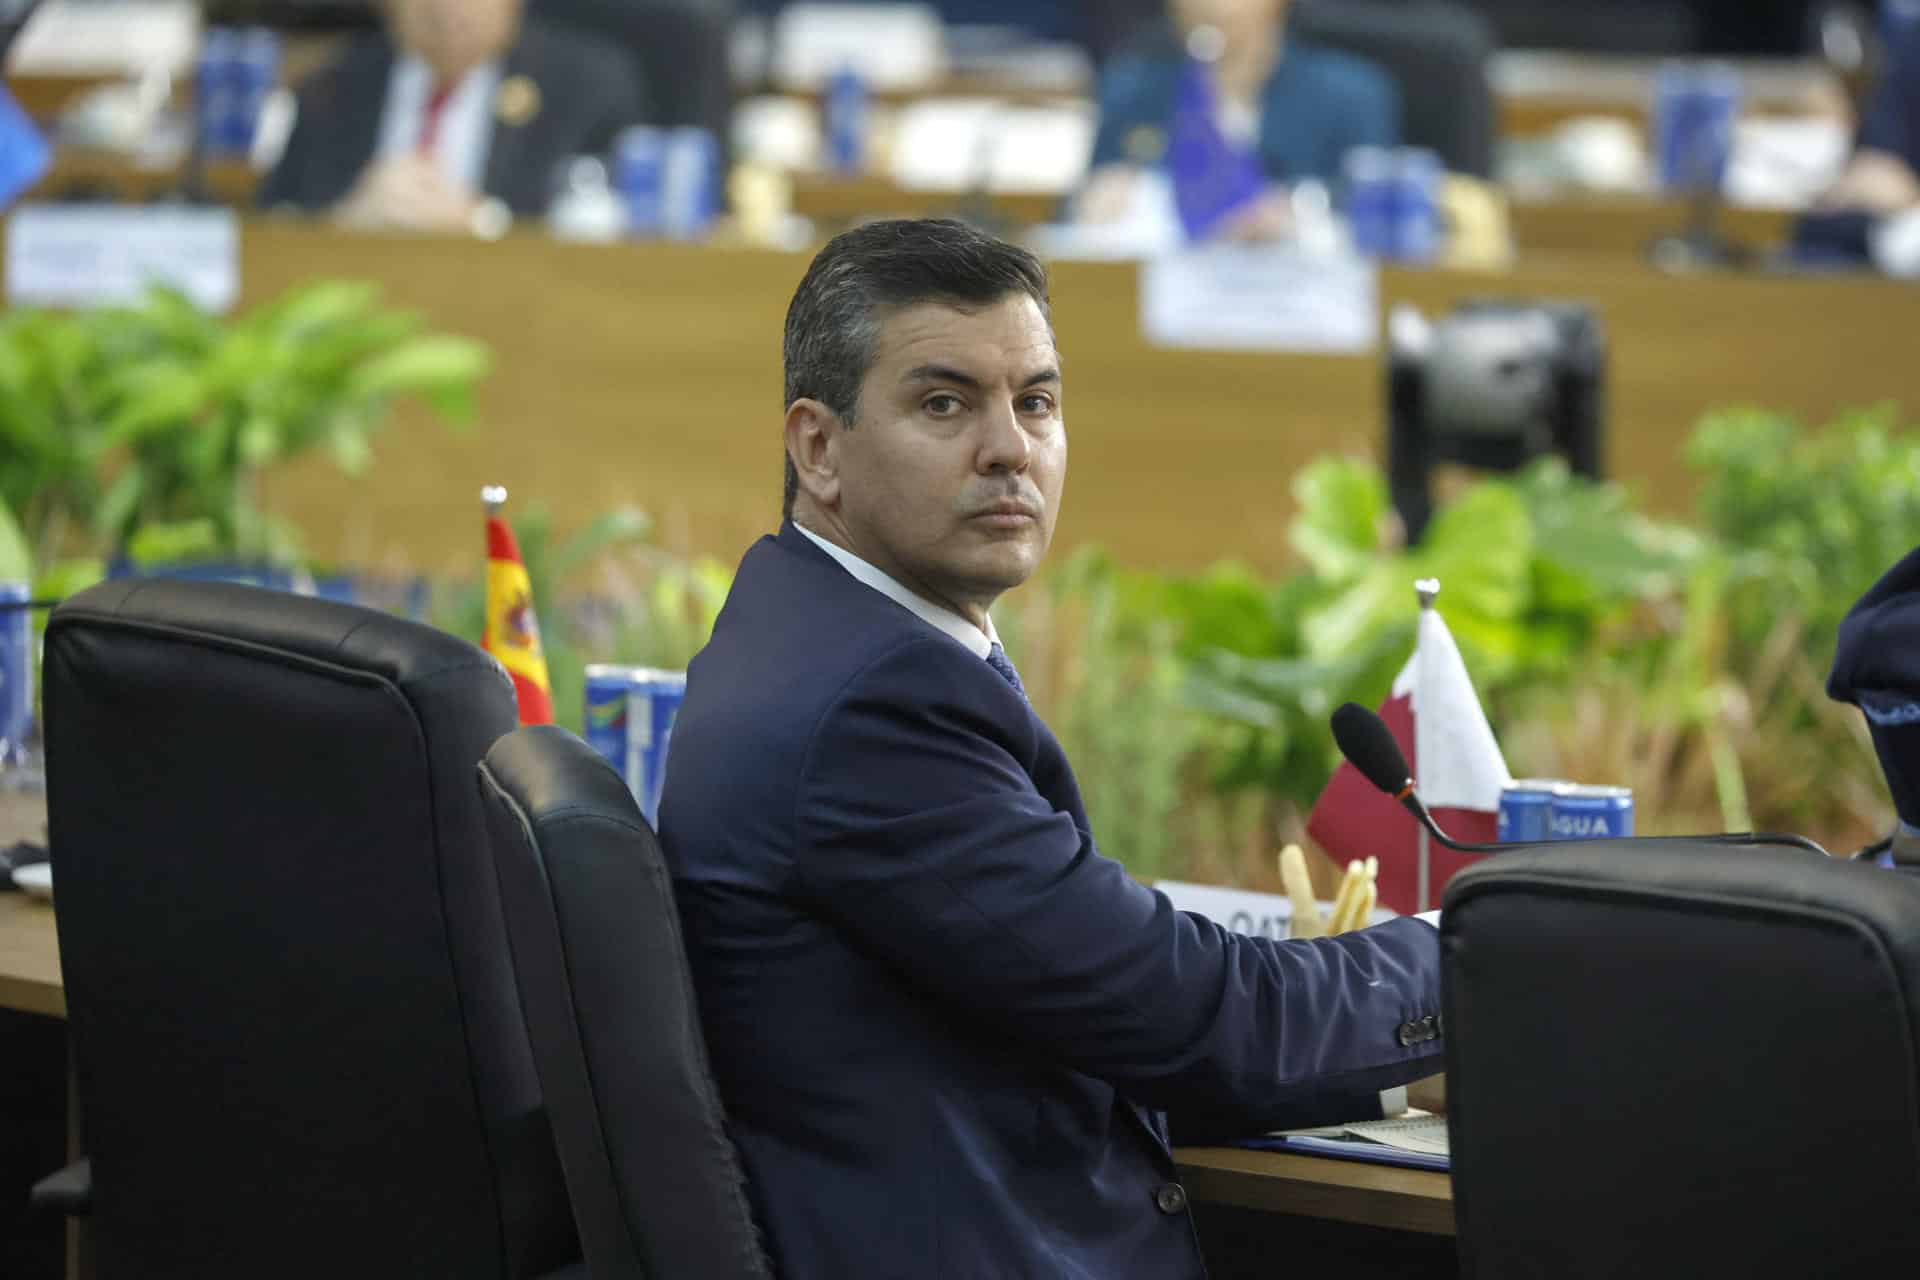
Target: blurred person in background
[(1881, 177), (459, 108), (1871, 213), (1299, 107)]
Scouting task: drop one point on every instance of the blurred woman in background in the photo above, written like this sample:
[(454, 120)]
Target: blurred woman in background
[(1299, 108)]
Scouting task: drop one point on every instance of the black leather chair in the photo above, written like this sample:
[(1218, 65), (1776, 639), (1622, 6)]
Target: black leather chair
[(1675, 1059), (1600, 26), (679, 49), (1437, 52), (656, 1185), (298, 1042)]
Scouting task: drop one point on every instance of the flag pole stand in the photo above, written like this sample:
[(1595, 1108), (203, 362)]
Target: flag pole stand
[(1425, 589)]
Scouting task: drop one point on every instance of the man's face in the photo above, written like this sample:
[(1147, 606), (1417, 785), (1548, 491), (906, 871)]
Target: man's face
[(454, 33), (950, 479)]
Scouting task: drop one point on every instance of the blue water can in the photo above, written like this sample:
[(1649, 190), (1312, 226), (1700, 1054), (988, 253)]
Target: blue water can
[(1526, 808), (639, 178), (628, 718), (1695, 106), (1591, 813), (16, 671)]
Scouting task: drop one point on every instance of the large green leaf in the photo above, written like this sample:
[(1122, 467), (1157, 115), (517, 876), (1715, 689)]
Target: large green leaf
[(1342, 507), (258, 440), (1228, 607), (172, 543), (152, 397), (323, 305), (1480, 547), (1382, 595), (118, 506), (438, 364)]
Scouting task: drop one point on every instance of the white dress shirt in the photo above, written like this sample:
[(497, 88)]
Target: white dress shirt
[(464, 134), (979, 640)]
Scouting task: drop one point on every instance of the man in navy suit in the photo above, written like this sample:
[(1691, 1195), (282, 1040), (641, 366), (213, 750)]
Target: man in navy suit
[(944, 1026)]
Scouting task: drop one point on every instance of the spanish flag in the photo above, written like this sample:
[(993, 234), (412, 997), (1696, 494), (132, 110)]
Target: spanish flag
[(512, 635)]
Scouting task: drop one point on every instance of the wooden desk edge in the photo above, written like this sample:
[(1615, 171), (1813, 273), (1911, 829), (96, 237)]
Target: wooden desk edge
[(30, 978), (24, 995), (1310, 1186)]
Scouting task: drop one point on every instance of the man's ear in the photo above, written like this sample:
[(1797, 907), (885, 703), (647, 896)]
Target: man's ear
[(813, 438)]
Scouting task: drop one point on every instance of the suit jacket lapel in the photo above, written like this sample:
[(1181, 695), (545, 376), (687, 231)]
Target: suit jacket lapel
[(513, 123), (347, 142)]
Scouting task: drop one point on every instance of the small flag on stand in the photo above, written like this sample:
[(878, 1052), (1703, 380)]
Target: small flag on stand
[(1213, 177), (24, 154), (512, 634), (1436, 718)]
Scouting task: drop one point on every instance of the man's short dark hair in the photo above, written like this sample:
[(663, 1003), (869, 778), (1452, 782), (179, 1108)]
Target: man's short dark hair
[(834, 319)]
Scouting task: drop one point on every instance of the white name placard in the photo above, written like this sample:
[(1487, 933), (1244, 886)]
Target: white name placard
[(89, 255), (1260, 298), (1258, 915)]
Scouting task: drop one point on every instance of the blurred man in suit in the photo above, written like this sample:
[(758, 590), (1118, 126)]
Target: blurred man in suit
[(458, 110), (944, 1026), (1883, 175), (1872, 210), (1298, 107)]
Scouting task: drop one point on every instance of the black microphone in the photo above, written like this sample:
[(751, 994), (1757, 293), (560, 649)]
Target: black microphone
[(1367, 743)]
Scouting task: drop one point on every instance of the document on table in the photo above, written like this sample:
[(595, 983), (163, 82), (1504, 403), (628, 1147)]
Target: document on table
[(1423, 1133)]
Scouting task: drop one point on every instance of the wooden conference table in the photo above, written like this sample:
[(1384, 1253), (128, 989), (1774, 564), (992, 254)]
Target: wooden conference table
[(1389, 1200)]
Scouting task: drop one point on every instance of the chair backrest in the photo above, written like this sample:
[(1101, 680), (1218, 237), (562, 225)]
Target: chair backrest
[(1612, 26), (298, 1042), (1437, 52), (1671, 1058), (678, 47), (656, 1185)]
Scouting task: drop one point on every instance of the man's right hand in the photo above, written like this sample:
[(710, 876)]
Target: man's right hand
[(1875, 182), (407, 192)]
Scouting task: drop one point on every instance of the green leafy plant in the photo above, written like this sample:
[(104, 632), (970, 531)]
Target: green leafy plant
[(1684, 660), (1815, 517), (142, 429)]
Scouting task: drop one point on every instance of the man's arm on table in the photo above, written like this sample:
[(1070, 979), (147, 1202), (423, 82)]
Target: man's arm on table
[(923, 836)]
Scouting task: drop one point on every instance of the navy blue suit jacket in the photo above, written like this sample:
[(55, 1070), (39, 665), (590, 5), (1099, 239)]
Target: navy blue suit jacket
[(942, 1023)]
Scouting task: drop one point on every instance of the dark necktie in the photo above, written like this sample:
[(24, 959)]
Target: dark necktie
[(997, 659)]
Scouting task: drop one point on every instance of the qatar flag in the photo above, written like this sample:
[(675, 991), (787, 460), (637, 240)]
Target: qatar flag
[(1436, 718)]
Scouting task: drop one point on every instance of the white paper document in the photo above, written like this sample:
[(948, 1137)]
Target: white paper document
[(62, 255), (1261, 298)]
